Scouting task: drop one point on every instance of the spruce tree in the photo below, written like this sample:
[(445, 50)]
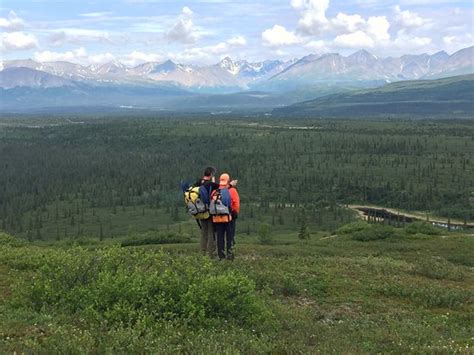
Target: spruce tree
[(101, 232), (303, 233)]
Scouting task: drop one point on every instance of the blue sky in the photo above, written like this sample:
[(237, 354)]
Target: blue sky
[(203, 32)]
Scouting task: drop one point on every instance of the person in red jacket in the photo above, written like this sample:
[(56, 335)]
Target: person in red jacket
[(224, 222)]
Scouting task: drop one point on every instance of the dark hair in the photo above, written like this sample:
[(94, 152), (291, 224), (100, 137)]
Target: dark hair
[(210, 171)]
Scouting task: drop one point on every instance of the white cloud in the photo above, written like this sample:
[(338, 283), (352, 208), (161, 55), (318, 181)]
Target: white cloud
[(16, 41), (187, 11), (78, 36), (237, 41), (449, 40), (373, 32), (206, 54), (12, 22), (406, 18), (350, 30), (318, 46), (101, 58), (184, 30), (136, 57), (312, 15), (77, 55), (219, 48), (377, 28), (278, 36), (209, 53), (348, 23), (405, 42), (96, 14), (457, 42), (358, 39)]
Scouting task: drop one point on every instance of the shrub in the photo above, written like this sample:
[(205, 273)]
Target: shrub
[(289, 286), (8, 240), (264, 234), (422, 228), (230, 296), (374, 232), (438, 268), (304, 232), (428, 295), (353, 227), (121, 286), (157, 238)]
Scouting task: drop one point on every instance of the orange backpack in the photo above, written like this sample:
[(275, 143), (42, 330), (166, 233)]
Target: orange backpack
[(219, 207)]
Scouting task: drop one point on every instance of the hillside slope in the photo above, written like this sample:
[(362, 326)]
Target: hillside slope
[(399, 293), (83, 95), (449, 96)]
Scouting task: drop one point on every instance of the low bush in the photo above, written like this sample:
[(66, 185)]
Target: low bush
[(353, 227), (229, 296), (438, 268), (122, 286), (157, 238), (430, 296), (8, 240), (422, 228), (374, 232)]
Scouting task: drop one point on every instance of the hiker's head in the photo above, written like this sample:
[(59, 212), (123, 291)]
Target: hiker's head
[(224, 180), (209, 172)]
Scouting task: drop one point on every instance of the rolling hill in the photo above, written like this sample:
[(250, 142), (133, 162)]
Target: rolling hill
[(452, 96), (85, 95)]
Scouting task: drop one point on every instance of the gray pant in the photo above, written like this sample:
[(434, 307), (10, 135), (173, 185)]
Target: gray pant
[(208, 243)]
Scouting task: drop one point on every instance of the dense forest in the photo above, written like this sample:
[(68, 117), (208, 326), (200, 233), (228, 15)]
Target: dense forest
[(98, 177)]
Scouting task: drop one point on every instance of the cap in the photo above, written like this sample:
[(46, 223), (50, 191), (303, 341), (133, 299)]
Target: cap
[(224, 179)]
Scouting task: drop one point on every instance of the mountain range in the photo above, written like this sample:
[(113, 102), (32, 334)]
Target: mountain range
[(164, 85), (225, 75)]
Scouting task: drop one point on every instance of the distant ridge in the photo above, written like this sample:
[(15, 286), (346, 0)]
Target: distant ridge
[(447, 97), (362, 69)]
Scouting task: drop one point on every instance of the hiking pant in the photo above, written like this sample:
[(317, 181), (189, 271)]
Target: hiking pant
[(225, 240), (208, 243)]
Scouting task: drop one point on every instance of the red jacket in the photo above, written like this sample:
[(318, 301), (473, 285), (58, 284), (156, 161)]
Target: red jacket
[(234, 199)]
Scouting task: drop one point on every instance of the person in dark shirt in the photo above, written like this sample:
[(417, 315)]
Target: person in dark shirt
[(208, 243)]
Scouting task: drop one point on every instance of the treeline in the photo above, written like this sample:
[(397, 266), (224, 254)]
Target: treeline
[(54, 176)]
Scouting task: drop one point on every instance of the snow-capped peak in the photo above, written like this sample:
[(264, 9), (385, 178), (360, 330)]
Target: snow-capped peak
[(94, 67), (231, 66)]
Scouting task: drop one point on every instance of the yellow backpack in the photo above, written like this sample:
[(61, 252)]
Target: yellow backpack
[(195, 205)]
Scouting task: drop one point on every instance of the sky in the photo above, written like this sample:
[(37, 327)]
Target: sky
[(202, 32)]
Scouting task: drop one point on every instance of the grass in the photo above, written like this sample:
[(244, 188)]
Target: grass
[(409, 294), (5, 283)]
